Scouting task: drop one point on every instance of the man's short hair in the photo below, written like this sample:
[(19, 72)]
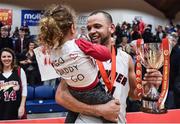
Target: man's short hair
[(106, 14), (4, 28), (22, 28)]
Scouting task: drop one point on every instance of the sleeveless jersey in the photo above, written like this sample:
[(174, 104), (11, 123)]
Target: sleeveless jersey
[(121, 86), (76, 68), (120, 90), (10, 96)]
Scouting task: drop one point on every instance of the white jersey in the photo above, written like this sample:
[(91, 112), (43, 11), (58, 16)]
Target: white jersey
[(70, 62), (121, 87)]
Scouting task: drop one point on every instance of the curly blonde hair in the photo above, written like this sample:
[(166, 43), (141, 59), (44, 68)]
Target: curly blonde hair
[(55, 24)]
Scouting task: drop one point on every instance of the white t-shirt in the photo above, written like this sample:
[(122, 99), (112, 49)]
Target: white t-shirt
[(73, 65)]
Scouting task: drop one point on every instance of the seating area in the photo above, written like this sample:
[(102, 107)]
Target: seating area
[(41, 99)]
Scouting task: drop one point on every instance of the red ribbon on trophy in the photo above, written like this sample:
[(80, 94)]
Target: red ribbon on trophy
[(165, 82), (139, 88)]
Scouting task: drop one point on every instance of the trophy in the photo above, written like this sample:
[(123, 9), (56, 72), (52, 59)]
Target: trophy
[(154, 56)]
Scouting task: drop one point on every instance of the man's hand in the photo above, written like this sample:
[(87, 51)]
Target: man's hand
[(152, 76), (110, 110)]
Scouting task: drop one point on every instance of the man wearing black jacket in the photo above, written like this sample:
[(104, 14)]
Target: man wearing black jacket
[(5, 40), (175, 71)]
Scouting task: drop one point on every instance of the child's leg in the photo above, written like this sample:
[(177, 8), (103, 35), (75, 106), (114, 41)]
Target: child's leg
[(71, 117), (97, 95)]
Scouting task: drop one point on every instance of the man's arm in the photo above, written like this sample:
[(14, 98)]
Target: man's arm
[(109, 110), (132, 81)]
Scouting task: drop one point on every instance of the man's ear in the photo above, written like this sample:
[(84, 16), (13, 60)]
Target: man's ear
[(112, 28)]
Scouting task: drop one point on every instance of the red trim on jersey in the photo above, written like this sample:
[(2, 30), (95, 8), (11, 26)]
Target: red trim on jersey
[(97, 51), (19, 74)]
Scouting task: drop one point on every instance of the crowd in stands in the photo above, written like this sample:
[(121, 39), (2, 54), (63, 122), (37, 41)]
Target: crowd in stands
[(23, 44)]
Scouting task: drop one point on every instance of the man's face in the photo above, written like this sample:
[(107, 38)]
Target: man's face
[(21, 33), (99, 29), (4, 33)]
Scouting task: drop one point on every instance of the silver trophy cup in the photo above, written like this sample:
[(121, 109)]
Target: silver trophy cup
[(151, 55)]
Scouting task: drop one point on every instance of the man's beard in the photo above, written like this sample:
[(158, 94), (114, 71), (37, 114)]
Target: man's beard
[(104, 41), (101, 40)]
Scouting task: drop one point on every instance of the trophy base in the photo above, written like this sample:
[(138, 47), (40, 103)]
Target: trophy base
[(152, 111), (150, 106)]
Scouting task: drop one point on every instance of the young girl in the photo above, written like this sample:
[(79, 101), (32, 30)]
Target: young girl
[(73, 59)]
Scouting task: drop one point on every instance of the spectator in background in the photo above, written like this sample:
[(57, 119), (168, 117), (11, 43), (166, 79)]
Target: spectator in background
[(125, 31), (160, 34), (139, 22), (22, 42), (15, 35), (122, 33), (148, 35), (9, 30), (123, 44), (27, 32), (1, 24), (83, 33), (141, 25), (5, 40), (175, 71), (167, 29), (13, 87), (135, 34), (118, 34), (28, 62)]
